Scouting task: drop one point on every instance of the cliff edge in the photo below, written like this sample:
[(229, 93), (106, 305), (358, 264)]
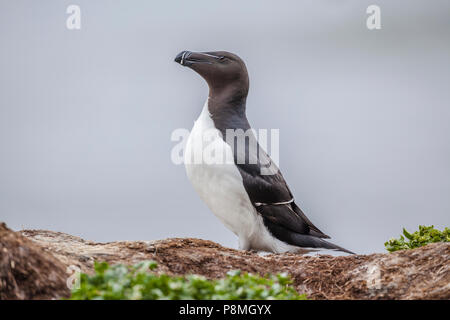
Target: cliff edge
[(35, 264)]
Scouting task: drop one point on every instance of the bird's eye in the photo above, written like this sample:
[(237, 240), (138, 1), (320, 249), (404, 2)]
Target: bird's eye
[(221, 58)]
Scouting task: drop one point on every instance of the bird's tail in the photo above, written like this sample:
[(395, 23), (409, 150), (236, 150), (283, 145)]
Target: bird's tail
[(300, 239), (329, 245), (303, 240)]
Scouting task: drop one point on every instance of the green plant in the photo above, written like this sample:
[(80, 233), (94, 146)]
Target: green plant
[(136, 282), (420, 238)]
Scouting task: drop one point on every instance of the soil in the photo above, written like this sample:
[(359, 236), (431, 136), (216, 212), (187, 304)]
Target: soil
[(27, 271)]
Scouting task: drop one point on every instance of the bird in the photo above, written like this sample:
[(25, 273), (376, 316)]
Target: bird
[(239, 182)]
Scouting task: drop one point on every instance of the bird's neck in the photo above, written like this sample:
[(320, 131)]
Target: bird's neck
[(228, 111), (227, 100), (225, 106)]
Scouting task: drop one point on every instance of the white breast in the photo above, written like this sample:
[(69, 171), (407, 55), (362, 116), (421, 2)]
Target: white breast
[(219, 184)]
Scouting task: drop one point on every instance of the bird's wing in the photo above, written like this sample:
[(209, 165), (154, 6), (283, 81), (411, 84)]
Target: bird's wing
[(269, 192)]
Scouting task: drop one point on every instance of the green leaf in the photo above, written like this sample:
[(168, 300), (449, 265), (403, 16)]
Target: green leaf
[(422, 237), (407, 235), (136, 282)]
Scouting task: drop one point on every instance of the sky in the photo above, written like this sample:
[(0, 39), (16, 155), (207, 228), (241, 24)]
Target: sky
[(86, 116)]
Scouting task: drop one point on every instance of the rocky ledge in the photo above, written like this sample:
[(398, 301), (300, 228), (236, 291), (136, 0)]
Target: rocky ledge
[(36, 264)]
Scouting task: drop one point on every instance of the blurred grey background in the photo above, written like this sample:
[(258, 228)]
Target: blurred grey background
[(86, 115)]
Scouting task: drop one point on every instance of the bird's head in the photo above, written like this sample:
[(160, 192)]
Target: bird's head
[(224, 72)]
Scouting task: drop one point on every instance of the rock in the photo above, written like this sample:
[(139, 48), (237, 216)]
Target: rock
[(422, 273), (26, 271)]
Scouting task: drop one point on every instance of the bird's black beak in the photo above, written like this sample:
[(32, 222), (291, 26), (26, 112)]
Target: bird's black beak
[(188, 58), (181, 57)]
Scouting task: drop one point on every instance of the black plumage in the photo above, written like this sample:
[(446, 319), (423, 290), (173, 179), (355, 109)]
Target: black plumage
[(228, 81)]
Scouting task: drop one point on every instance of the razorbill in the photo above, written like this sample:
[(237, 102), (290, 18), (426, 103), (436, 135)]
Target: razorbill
[(246, 190)]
